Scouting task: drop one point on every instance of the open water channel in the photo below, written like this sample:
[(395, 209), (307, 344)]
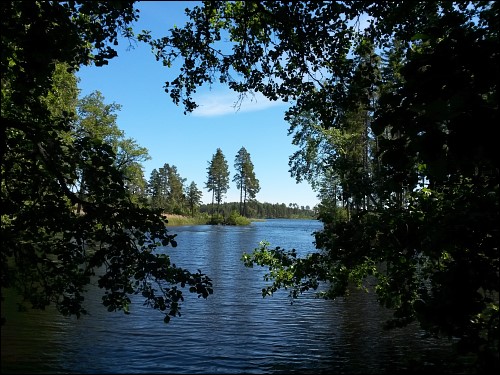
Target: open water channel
[(235, 330)]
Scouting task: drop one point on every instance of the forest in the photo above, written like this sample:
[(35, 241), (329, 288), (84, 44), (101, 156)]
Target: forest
[(394, 122), (168, 192)]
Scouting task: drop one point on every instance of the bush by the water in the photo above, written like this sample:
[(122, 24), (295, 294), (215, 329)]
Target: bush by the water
[(233, 219), (236, 219)]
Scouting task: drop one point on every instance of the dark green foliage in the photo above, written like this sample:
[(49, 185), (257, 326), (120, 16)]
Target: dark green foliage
[(167, 190), (67, 212), (258, 210)]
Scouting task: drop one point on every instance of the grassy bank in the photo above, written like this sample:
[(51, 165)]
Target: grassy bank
[(177, 220)]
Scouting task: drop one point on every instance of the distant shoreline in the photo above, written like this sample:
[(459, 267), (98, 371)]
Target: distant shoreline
[(180, 220)]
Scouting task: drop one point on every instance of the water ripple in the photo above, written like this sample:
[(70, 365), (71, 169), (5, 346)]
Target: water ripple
[(234, 331)]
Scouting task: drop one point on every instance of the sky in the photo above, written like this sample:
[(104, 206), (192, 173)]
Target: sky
[(135, 81)]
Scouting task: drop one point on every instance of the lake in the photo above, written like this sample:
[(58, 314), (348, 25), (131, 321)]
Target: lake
[(235, 330)]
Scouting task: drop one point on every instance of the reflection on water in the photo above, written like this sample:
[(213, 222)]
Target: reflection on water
[(234, 331)]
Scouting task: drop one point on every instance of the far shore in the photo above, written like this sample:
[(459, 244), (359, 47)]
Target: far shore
[(178, 220)]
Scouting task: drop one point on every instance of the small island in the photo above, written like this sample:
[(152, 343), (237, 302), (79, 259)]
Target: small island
[(229, 214)]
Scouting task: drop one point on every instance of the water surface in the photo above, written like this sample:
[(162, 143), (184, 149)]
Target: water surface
[(235, 330)]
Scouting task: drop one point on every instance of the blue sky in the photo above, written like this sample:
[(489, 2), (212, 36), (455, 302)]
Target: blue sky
[(135, 80)]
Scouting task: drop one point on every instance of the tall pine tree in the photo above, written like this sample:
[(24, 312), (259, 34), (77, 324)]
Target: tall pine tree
[(218, 177), (245, 178)]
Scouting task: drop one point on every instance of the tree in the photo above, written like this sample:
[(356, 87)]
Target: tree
[(166, 188), (129, 160), (97, 120), (218, 177), (210, 185), (63, 97), (176, 199), (252, 186), (156, 191), (245, 178), (193, 197), (239, 177), (413, 139), (50, 251)]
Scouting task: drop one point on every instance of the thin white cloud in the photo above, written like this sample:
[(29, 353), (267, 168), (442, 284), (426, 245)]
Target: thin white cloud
[(219, 104)]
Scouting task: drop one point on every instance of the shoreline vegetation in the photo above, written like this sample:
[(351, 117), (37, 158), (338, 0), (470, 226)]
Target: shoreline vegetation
[(233, 213), (181, 220)]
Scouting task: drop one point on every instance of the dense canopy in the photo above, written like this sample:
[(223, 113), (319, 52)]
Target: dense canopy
[(67, 211)]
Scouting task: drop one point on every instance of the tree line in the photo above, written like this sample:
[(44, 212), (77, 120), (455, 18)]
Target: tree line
[(166, 189), (264, 210)]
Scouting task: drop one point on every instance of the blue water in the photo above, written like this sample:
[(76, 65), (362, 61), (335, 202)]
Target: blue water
[(234, 331)]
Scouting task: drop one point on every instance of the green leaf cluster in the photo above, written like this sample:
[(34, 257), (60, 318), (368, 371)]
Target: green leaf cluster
[(68, 211)]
